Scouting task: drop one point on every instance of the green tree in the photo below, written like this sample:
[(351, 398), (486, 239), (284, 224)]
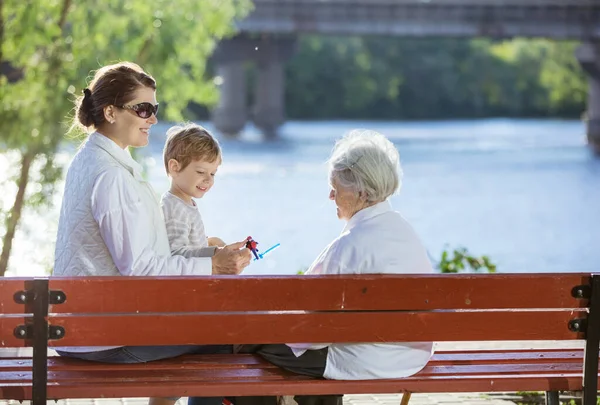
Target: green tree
[(461, 260), (430, 78), (53, 44)]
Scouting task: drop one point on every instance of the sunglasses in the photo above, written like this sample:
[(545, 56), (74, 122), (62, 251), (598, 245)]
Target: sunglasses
[(143, 110)]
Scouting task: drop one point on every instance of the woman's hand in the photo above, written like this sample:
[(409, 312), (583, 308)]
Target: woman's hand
[(231, 259), (214, 241)]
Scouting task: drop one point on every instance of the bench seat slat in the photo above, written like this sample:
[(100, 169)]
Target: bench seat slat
[(325, 293), (482, 369), (207, 374), (479, 357), (250, 375), (189, 362), (219, 361), (154, 375), (253, 386)]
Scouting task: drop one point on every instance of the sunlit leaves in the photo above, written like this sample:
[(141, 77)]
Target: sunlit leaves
[(55, 43), (408, 78)]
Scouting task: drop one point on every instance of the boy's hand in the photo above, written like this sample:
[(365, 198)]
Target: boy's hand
[(231, 259), (214, 241)]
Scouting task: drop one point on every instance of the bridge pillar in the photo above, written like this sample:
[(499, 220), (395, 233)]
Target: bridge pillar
[(229, 116), (269, 103), (231, 113), (588, 56), (269, 93), (230, 57)]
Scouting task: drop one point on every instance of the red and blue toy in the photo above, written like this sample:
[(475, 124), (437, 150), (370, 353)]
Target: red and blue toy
[(251, 244)]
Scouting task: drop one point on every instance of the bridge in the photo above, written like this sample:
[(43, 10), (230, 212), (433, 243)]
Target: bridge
[(267, 37)]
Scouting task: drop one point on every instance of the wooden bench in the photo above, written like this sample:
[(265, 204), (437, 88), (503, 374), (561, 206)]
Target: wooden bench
[(226, 310)]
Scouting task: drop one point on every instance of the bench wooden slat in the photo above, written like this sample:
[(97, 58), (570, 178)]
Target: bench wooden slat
[(318, 327), (567, 382), (186, 361), (196, 363), (297, 385), (193, 362), (364, 292), (262, 375), (478, 357), (482, 369), (8, 287), (166, 376), (151, 375), (268, 373), (7, 326), (247, 375), (218, 361), (201, 329)]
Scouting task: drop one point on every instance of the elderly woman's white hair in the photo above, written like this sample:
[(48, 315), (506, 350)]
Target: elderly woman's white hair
[(367, 162)]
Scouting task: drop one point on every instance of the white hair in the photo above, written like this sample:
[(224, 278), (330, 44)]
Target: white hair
[(367, 162)]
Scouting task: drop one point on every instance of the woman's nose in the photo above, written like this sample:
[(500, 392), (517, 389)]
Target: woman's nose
[(332, 195), (153, 120)]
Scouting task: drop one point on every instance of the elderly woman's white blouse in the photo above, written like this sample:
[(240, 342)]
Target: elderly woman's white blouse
[(375, 240)]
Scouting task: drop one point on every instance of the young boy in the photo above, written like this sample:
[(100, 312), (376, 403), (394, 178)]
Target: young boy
[(192, 157)]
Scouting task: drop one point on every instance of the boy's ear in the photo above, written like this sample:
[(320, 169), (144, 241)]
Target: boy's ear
[(173, 166)]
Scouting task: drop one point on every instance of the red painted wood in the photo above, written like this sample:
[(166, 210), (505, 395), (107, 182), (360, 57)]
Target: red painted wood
[(248, 375), (8, 287), (189, 362), (149, 374), (513, 369), (345, 301), (299, 385), (314, 327), (219, 361), (364, 292), (7, 326), (479, 357)]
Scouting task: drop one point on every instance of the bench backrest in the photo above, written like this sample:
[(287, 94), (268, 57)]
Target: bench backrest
[(101, 311)]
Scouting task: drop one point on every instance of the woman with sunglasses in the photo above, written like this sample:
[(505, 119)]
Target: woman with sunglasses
[(111, 222)]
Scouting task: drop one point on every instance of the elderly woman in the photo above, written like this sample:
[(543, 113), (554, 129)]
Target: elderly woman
[(364, 171)]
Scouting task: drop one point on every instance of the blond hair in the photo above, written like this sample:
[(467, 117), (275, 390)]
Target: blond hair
[(190, 142)]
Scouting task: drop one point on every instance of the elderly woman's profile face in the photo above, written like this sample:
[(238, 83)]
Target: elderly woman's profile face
[(347, 200)]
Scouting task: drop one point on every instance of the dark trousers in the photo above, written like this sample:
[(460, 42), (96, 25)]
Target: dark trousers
[(311, 363)]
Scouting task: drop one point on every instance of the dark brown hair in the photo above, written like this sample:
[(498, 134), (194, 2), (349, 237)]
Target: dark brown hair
[(190, 142), (111, 85)]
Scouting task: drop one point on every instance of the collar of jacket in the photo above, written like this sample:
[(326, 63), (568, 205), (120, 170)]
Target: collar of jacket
[(120, 155), (368, 213)]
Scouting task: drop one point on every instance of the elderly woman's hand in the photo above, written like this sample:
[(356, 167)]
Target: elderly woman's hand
[(231, 259)]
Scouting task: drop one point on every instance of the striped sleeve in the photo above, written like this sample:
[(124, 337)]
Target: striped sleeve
[(182, 225)]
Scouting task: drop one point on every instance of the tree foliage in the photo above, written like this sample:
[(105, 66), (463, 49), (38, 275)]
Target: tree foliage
[(47, 49), (460, 260), (403, 78)]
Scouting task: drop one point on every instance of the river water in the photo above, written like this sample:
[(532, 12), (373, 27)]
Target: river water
[(524, 192)]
